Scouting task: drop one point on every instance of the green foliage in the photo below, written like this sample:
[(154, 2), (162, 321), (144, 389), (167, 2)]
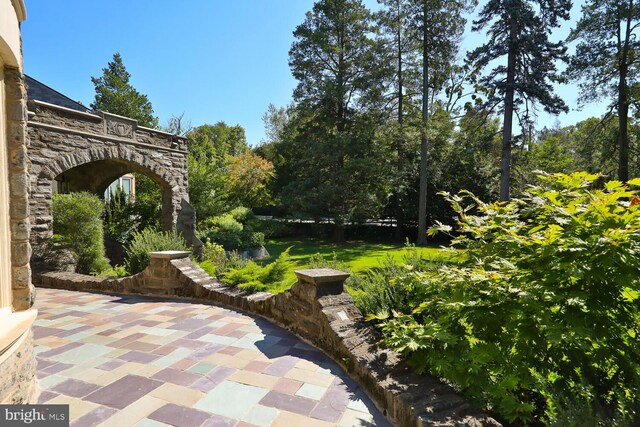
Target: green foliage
[(211, 148), (147, 206), (255, 278), (117, 271), (383, 289), (232, 261), (228, 230), (119, 217), (206, 187), (77, 226), (150, 240), (519, 45), (213, 252), (115, 94), (606, 63), (210, 267), (336, 161), (542, 317), (242, 214)]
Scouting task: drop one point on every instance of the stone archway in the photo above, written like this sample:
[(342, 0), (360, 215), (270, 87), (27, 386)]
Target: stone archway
[(89, 150), (94, 169)]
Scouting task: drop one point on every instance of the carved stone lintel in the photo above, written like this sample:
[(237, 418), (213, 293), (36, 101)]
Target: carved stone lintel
[(124, 130), (122, 127)]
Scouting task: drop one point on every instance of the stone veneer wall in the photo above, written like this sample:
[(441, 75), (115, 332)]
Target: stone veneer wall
[(16, 95), (316, 309), (18, 373)]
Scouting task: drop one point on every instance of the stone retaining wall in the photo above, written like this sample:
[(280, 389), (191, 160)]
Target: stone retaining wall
[(318, 310)]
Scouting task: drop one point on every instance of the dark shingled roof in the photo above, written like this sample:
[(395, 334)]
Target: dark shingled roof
[(41, 92)]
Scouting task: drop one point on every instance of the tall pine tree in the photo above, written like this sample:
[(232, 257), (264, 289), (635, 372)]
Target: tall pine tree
[(400, 73), (518, 31), (337, 169), (607, 60), (440, 25), (115, 94)]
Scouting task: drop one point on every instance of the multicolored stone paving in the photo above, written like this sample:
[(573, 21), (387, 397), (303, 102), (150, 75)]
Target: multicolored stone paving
[(137, 361)]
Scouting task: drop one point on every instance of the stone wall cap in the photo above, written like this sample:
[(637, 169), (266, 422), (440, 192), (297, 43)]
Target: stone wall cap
[(170, 254), (86, 114), (322, 275)]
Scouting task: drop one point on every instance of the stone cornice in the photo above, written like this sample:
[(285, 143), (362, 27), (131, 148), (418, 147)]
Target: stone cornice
[(98, 116), (82, 114), (33, 123), (161, 132)]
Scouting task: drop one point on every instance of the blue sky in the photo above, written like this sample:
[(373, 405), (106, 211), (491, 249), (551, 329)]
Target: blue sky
[(213, 60)]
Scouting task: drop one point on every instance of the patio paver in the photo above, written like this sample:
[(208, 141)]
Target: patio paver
[(128, 360)]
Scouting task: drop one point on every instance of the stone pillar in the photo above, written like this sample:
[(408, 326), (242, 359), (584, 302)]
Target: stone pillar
[(186, 226), (160, 277), (23, 291), (303, 307), (315, 283)]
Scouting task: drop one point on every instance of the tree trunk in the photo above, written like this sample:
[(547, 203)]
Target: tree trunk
[(338, 232), (623, 135), (507, 128), (400, 136), (623, 104), (422, 208)]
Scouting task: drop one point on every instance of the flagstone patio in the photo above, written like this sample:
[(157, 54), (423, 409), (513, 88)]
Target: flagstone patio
[(129, 360)]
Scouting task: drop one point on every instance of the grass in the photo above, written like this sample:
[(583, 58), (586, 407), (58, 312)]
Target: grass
[(358, 255)]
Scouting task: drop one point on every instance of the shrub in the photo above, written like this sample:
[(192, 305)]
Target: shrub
[(77, 224), (150, 240), (242, 214), (252, 277), (384, 289), (233, 230), (252, 239), (542, 318), (117, 271), (119, 218), (210, 268), (213, 252), (224, 230), (232, 261)]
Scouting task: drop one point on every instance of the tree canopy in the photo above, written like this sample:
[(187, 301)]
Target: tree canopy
[(116, 95)]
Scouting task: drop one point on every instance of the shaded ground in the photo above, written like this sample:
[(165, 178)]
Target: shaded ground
[(123, 361)]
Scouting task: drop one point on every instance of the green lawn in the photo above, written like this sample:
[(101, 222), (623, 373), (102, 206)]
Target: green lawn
[(358, 255)]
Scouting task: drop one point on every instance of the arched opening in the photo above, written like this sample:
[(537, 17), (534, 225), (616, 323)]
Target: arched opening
[(93, 171), (114, 181)]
